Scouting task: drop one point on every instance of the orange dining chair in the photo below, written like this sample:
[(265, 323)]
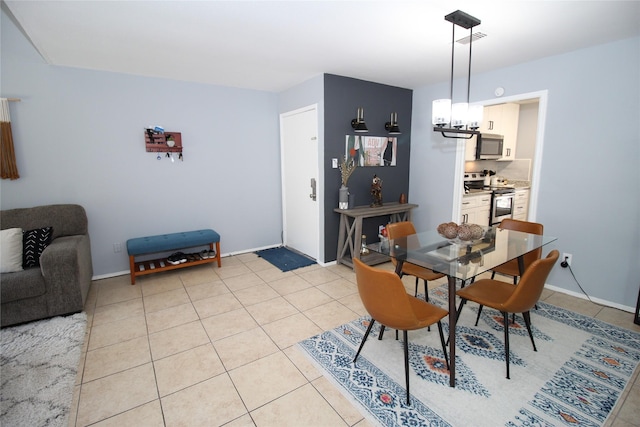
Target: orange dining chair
[(511, 268), (507, 298), (396, 230), (387, 302)]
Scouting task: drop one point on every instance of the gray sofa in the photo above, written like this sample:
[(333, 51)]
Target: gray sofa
[(61, 283)]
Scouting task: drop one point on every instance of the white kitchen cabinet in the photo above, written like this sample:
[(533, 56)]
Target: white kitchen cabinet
[(502, 119), (475, 209), (509, 124), (521, 205), (491, 119), (470, 149)]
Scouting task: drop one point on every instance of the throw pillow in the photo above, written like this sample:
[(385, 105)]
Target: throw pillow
[(11, 250), (35, 241)]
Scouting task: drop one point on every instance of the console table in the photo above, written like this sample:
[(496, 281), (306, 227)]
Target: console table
[(350, 232)]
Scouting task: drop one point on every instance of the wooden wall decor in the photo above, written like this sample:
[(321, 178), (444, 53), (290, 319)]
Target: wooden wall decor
[(166, 142)]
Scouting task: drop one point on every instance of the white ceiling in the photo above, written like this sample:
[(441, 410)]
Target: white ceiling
[(274, 45)]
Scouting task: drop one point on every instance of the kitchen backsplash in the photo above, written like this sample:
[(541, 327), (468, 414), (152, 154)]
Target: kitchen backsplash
[(516, 170)]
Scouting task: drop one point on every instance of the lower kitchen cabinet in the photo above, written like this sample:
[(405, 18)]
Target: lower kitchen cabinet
[(521, 205), (475, 209)]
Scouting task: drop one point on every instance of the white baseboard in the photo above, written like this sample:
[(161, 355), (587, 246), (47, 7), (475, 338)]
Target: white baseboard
[(594, 299)]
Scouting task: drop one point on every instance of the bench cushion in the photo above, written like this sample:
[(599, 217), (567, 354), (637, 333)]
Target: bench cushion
[(169, 242)]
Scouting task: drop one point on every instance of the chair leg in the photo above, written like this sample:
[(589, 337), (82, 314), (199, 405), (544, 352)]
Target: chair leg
[(493, 274), (426, 295), (426, 291), (364, 338), (479, 313), (505, 315), (406, 363), (462, 302), (444, 345), (381, 332), (527, 321), (463, 283), (415, 294)]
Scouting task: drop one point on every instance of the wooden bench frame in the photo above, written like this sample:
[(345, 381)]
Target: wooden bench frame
[(134, 266)]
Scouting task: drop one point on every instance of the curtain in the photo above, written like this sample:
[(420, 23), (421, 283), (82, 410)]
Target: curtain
[(8, 155)]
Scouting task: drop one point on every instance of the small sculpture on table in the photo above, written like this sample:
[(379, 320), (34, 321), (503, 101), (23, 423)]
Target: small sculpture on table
[(376, 191)]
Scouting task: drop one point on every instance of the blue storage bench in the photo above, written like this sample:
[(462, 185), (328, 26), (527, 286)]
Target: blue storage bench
[(170, 242)]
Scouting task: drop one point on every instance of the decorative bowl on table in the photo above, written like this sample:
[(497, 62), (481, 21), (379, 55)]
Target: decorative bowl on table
[(463, 234)]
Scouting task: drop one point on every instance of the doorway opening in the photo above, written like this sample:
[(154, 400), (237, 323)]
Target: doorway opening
[(533, 105)]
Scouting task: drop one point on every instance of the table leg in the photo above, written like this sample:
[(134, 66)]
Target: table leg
[(452, 331), (357, 238), (341, 236)]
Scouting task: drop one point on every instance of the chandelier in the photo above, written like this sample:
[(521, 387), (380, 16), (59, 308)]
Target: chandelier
[(458, 120)]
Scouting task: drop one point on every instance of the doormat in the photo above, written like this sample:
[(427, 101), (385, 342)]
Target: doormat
[(285, 259)]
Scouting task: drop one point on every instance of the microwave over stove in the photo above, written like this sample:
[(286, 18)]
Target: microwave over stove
[(489, 146)]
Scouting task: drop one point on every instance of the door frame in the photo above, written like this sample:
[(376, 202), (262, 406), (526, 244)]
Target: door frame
[(543, 97), (319, 179)]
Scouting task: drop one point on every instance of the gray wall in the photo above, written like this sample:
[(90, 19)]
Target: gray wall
[(79, 139), (589, 184), (342, 97)]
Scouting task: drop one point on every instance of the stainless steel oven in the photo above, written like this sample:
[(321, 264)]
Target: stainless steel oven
[(502, 201)]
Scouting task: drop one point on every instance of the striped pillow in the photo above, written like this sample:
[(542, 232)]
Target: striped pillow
[(33, 243)]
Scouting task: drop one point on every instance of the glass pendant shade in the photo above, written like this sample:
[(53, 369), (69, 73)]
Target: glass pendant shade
[(441, 112), (474, 116), (459, 114)]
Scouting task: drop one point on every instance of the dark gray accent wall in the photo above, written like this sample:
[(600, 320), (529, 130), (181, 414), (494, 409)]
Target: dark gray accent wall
[(342, 97)]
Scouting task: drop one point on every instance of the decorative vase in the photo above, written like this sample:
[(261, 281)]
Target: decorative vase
[(343, 198)]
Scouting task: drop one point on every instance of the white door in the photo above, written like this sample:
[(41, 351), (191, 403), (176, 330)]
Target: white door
[(299, 154)]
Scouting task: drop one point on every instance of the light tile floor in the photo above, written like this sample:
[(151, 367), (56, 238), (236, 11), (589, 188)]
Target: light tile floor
[(214, 346)]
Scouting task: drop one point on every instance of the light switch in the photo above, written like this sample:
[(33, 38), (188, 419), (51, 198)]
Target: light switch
[(334, 163)]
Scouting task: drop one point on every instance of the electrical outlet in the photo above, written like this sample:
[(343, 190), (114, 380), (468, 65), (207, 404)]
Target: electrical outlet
[(117, 247), (334, 163), (567, 257)]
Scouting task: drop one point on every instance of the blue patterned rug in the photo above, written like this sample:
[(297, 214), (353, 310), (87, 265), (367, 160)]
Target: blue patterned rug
[(575, 378)]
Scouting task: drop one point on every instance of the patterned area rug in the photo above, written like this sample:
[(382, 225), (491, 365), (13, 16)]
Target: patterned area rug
[(38, 367), (577, 375)]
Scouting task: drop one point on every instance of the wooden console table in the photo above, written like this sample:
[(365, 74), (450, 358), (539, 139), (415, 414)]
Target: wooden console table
[(350, 232)]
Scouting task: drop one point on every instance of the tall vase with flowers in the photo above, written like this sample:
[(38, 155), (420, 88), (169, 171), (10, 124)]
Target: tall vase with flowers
[(346, 169)]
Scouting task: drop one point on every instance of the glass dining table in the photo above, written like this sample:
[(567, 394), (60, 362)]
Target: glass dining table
[(460, 260)]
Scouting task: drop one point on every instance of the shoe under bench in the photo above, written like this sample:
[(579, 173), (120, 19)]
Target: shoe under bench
[(140, 246)]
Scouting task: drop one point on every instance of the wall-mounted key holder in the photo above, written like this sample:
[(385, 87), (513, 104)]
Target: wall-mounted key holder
[(165, 142)]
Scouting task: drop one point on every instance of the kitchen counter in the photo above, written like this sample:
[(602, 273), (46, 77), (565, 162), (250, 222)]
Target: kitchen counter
[(477, 191), (520, 185)]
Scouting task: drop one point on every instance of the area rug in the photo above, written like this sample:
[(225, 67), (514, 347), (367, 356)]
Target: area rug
[(38, 367), (285, 259), (576, 377)]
